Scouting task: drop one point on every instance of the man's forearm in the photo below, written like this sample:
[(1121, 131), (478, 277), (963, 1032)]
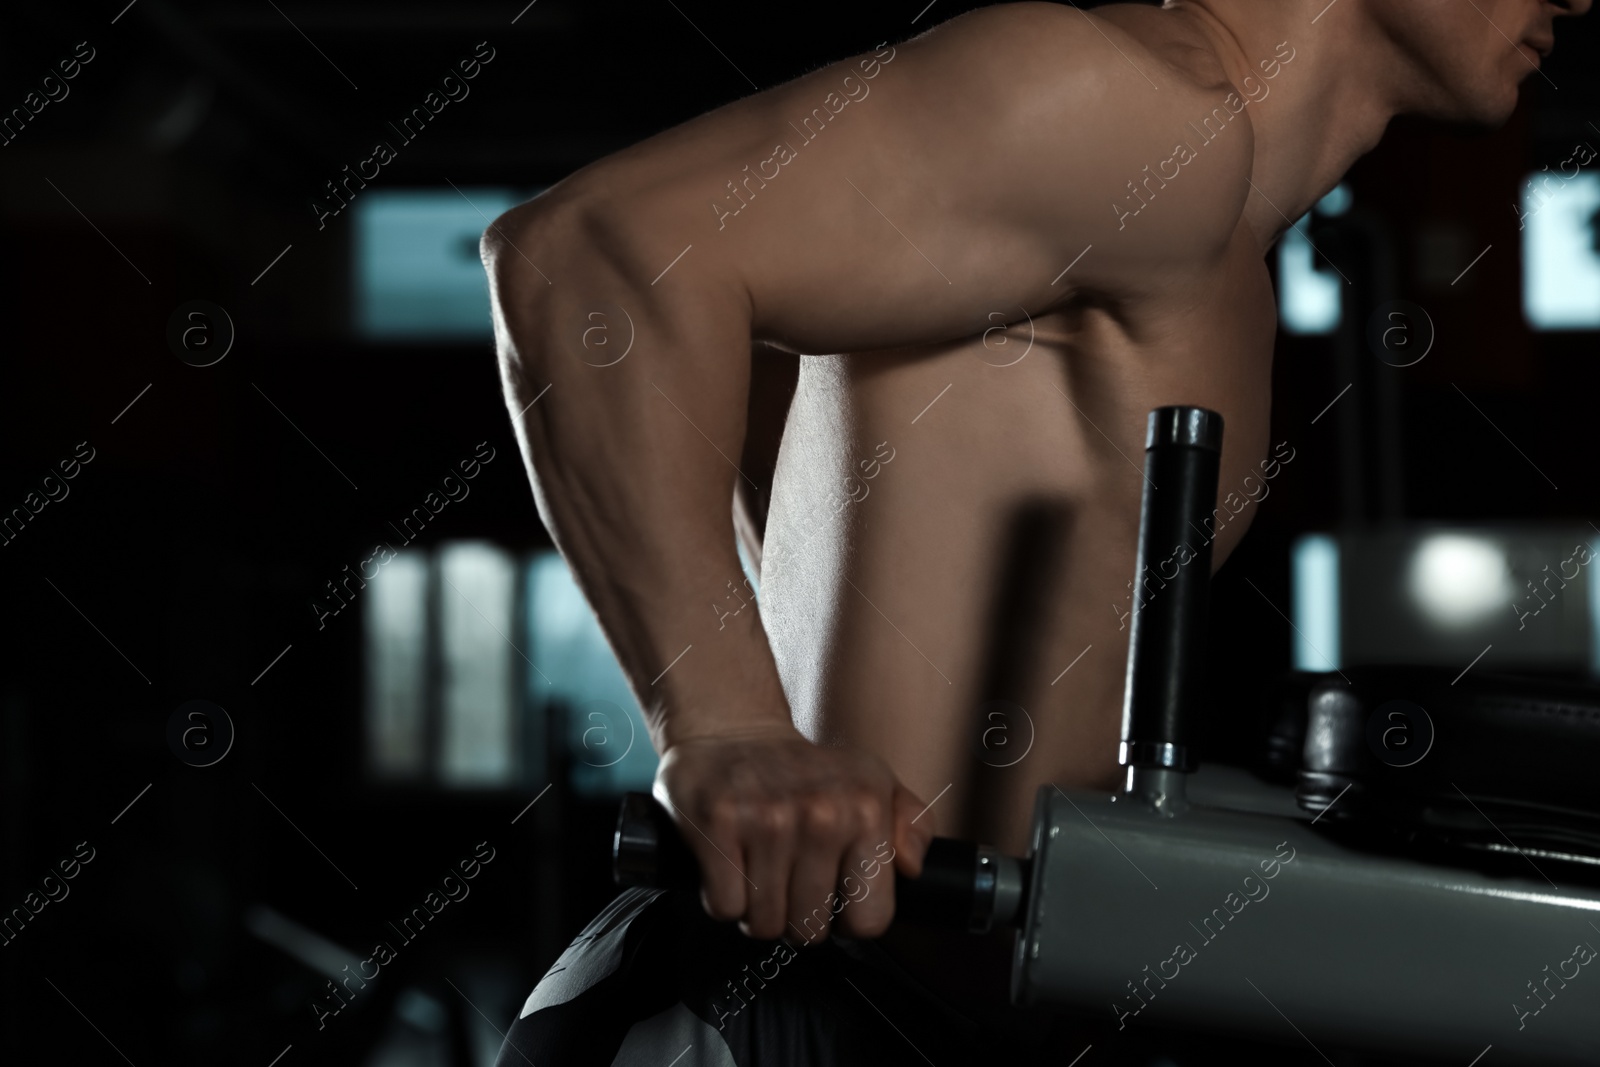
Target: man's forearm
[(629, 454)]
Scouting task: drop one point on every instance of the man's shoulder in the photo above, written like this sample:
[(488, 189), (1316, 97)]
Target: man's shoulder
[(1123, 79), (1136, 130), (1120, 41)]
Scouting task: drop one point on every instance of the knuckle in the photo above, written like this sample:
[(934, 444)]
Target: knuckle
[(775, 820), (823, 816), (870, 809), (723, 813)]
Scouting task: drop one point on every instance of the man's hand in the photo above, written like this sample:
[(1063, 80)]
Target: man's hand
[(790, 834)]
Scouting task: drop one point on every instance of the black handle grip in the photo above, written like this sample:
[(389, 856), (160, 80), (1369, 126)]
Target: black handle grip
[(648, 850), (1172, 586), (962, 886)]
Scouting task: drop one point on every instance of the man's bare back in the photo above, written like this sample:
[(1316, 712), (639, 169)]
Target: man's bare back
[(1026, 228)]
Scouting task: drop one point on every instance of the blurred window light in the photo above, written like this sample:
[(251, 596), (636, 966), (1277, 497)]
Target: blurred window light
[(1561, 251), (1309, 300), (1424, 594), (477, 689), (1314, 568), (471, 656), (396, 637), (443, 677), (1337, 202), (1458, 580), (417, 271), (607, 745)]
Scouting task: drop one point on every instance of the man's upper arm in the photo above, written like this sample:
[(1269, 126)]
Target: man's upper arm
[(901, 196)]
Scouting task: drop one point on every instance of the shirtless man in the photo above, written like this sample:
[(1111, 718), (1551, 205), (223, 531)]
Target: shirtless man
[(995, 248)]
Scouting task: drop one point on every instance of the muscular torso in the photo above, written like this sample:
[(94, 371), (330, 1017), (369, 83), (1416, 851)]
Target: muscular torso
[(930, 571)]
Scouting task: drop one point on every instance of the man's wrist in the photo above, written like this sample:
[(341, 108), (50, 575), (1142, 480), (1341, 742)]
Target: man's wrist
[(724, 685), (741, 725)]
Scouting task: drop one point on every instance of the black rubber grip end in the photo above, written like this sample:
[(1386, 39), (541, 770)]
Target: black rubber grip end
[(1187, 427), (943, 895), (647, 849)]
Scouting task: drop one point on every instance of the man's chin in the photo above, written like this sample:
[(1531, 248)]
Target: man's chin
[(1482, 113), (1501, 111)]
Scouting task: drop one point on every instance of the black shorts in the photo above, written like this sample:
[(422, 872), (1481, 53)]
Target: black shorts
[(654, 982)]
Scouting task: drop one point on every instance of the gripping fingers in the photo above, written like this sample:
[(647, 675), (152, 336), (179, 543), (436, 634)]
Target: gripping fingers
[(866, 882), (849, 878), (825, 832), (724, 889), (866, 878), (769, 851), (911, 835)]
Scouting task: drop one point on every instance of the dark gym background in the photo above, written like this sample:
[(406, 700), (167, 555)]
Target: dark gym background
[(190, 548)]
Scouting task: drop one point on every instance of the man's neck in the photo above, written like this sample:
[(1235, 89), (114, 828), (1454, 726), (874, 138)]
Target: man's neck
[(1323, 110)]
